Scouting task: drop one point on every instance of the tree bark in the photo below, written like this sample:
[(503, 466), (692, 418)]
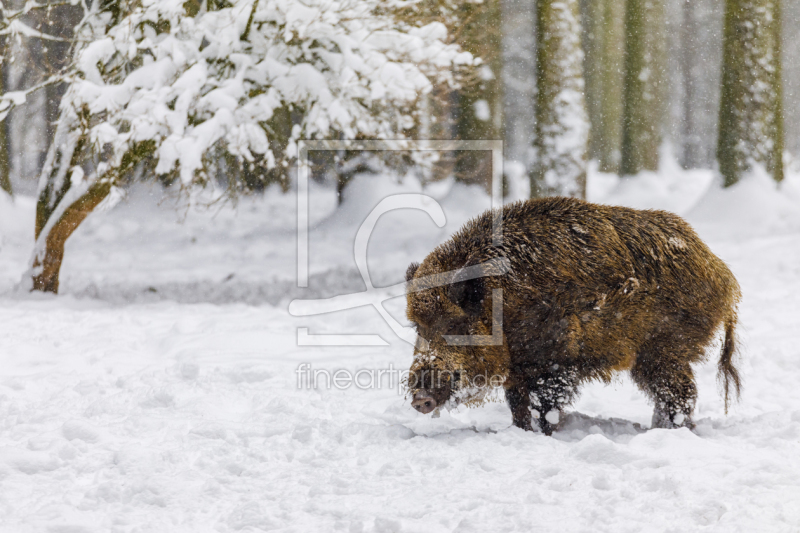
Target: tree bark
[(5, 160), (605, 52), (561, 131), (790, 70), (519, 82), (690, 156), (643, 106), (47, 269), (609, 143), (479, 102), (751, 104), (593, 38)]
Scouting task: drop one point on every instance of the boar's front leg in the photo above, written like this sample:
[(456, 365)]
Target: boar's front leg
[(544, 372), (550, 391), (544, 391)]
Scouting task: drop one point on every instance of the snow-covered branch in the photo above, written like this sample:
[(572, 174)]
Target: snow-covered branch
[(190, 84)]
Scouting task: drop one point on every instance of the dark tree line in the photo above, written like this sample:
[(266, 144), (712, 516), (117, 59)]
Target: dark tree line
[(704, 76)]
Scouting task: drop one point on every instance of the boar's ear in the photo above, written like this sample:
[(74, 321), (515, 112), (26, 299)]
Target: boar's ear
[(468, 295), (412, 269)]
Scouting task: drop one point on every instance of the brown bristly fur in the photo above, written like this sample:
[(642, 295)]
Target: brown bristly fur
[(592, 290)]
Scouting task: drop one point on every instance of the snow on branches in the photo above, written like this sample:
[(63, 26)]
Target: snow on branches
[(203, 91), (173, 86)]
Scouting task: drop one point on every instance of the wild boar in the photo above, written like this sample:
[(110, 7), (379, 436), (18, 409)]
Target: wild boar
[(574, 292)]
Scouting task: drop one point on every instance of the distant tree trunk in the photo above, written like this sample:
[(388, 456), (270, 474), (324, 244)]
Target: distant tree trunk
[(693, 70), (58, 21), (561, 131), (479, 102), (519, 81), (690, 156), (643, 104), (593, 37), (751, 107), (604, 72), (790, 69), (5, 160), (442, 126)]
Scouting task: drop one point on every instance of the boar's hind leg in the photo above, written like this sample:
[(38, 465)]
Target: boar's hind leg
[(669, 381), (551, 391)]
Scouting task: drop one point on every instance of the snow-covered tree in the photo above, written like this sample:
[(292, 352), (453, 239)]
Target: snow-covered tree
[(643, 100), (751, 113), (193, 90), (561, 132)]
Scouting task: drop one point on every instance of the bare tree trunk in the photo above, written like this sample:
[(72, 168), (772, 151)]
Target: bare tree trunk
[(46, 277), (643, 107), (479, 102), (593, 37), (694, 67), (561, 133), (519, 81), (5, 160), (791, 76), (751, 105), (610, 141), (605, 52), (690, 158)]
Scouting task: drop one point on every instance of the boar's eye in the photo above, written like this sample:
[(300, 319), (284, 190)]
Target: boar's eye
[(468, 295), (458, 328)]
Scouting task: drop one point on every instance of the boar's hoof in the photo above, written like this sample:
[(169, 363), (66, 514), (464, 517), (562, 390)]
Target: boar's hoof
[(423, 402)]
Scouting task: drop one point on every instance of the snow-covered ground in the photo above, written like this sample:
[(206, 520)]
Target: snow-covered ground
[(159, 391)]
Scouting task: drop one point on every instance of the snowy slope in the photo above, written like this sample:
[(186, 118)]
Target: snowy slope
[(159, 392)]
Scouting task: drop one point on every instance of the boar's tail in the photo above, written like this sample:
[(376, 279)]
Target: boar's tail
[(727, 374)]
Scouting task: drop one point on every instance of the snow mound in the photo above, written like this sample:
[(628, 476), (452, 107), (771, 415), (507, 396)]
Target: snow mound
[(755, 206), (676, 191)]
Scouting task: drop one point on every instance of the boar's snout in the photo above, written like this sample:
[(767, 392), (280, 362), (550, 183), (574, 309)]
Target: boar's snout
[(423, 402)]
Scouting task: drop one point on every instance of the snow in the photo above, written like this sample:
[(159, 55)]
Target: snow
[(159, 391), (482, 111)]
